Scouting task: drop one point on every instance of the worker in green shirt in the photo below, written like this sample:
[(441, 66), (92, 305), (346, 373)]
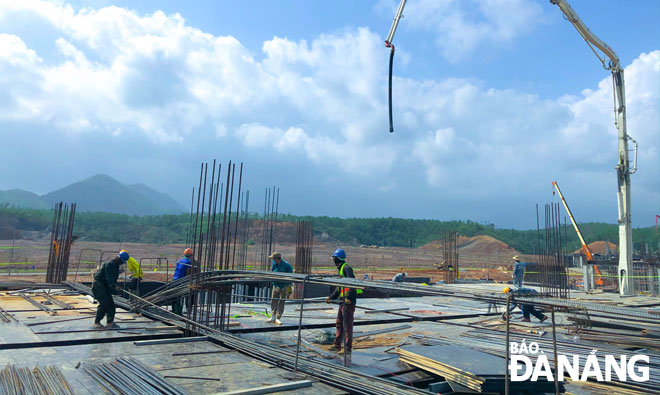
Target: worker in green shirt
[(105, 281)]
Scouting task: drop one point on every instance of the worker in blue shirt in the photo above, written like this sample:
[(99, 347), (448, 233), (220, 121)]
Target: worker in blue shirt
[(527, 308), (181, 271), (518, 272), (281, 290)]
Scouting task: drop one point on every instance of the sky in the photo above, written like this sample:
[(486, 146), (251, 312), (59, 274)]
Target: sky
[(493, 100)]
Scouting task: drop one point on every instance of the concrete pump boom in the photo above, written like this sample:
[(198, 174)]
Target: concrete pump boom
[(623, 166)]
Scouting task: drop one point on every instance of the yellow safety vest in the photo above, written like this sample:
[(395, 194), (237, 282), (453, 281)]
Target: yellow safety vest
[(344, 292), (134, 268)]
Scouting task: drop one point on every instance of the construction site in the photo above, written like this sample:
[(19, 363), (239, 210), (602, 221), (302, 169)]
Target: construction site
[(458, 315), (442, 329)]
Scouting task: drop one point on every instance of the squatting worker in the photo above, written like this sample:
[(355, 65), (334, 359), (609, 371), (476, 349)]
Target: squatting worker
[(281, 290), (346, 311), (527, 309), (518, 271), (399, 277), (135, 272), (105, 280), (181, 271)]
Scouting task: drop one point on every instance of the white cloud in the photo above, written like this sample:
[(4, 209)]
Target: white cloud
[(499, 141), (324, 100), (464, 27)]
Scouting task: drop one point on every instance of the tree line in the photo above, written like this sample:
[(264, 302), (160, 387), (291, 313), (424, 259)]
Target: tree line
[(387, 232)]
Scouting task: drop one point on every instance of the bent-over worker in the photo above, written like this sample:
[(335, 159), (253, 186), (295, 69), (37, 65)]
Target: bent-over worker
[(346, 311), (105, 281), (181, 271), (136, 273), (399, 277), (526, 308), (281, 290)]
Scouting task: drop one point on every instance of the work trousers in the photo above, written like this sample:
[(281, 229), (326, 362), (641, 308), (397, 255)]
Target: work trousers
[(177, 307), (277, 300), (135, 283), (528, 309), (518, 278), (106, 307), (345, 316)]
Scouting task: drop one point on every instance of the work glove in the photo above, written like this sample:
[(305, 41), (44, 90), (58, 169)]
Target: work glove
[(347, 301)]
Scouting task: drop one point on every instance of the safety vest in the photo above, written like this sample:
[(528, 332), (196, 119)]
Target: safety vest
[(344, 291)]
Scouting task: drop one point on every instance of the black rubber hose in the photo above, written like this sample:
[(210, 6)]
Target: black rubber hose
[(390, 89)]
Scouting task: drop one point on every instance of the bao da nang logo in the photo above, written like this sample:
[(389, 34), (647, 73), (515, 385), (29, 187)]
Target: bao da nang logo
[(577, 367)]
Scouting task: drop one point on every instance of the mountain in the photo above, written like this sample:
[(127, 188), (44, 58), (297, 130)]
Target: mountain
[(21, 198), (162, 202), (99, 193)]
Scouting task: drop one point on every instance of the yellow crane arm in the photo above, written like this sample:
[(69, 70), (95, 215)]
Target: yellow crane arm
[(585, 247)]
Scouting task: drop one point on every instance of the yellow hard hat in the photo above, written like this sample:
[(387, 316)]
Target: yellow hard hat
[(506, 290)]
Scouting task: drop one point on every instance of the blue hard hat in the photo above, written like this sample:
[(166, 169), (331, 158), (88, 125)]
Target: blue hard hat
[(123, 255), (339, 253)]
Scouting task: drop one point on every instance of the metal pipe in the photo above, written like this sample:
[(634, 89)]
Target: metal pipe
[(554, 349), (302, 307), (508, 319)]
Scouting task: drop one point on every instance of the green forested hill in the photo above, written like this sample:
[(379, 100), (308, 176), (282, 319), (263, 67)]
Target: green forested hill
[(167, 229)]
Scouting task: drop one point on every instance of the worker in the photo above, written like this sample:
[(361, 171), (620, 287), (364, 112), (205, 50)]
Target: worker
[(399, 277), (346, 311), (135, 273), (281, 289), (105, 281), (518, 271), (181, 271), (526, 308)]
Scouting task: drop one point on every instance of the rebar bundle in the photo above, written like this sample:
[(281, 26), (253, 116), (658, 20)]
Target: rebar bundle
[(38, 381), (304, 246), (269, 221), (128, 376), (351, 381), (177, 288), (61, 238), (553, 269), (243, 232), (213, 238), (304, 249), (450, 256)]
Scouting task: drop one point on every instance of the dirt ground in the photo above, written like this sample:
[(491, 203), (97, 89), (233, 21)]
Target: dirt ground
[(28, 258)]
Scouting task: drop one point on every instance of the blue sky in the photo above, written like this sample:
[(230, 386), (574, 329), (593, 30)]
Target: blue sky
[(493, 100)]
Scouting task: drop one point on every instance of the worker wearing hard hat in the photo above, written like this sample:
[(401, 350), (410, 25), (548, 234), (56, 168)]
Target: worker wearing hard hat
[(526, 308), (105, 281), (135, 273), (518, 271), (346, 310), (281, 289), (181, 271)]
